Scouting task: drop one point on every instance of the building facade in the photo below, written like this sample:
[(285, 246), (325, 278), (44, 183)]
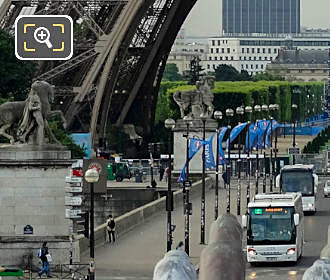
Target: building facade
[(301, 65), (260, 16), (253, 54)]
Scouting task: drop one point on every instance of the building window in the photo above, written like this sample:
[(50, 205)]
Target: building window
[(208, 66), (217, 50), (242, 50), (220, 57), (215, 58), (275, 50), (258, 50), (213, 67), (223, 50), (213, 43), (244, 57), (265, 57), (269, 50), (313, 71), (260, 58), (262, 66), (257, 66), (263, 50), (211, 50), (252, 50), (247, 66), (226, 57), (242, 66), (255, 58), (300, 71), (218, 42), (251, 66), (249, 57), (247, 50), (231, 58), (228, 50), (201, 50), (210, 58)]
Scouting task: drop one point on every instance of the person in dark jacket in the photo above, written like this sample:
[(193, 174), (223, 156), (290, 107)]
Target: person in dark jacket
[(45, 263)]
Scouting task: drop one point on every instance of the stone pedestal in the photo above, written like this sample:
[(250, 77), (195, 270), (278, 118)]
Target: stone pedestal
[(195, 130), (32, 192)]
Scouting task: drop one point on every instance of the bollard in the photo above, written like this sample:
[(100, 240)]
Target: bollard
[(325, 253), (175, 265), (223, 258)]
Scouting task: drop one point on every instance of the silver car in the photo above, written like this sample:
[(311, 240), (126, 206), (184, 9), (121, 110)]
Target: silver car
[(326, 190)]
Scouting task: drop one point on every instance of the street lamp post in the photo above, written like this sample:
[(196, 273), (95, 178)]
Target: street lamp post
[(203, 117), (169, 124), (294, 107), (272, 108), (217, 116), (187, 120), (91, 176), (248, 109), (265, 109), (257, 108), (239, 112), (229, 114)]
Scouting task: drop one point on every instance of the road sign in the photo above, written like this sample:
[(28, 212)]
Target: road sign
[(73, 179), (73, 213), (73, 200), (28, 229), (73, 189), (187, 184), (293, 151)]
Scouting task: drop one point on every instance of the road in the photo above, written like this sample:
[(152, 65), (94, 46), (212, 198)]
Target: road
[(136, 253)]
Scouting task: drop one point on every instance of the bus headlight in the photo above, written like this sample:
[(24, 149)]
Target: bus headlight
[(252, 252), (291, 251)]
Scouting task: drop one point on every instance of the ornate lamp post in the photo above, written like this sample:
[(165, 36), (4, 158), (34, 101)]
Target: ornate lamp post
[(257, 108), (169, 124), (239, 112), (248, 109), (188, 120), (91, 176), (203, 117), (293, 113), (264, 108), (218, 116), (229, 114)]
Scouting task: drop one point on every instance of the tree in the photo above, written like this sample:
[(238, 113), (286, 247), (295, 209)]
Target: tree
[(16, 76), (226, 73), (171, 73), (266, 77)]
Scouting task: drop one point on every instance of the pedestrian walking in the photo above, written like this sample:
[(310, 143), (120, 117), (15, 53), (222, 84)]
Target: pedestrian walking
[(111, 227), (161, 173), (167, 172), (44, 256)]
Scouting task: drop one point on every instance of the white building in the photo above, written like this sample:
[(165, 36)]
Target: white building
[(253, 53), (185, 49)]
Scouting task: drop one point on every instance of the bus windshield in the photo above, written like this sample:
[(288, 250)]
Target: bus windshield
[(298, 181), (271, 226)]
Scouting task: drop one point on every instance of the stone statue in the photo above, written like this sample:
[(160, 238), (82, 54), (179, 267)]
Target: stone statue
[(31, 116), (196, 101)]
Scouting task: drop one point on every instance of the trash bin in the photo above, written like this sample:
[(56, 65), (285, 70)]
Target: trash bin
[(110, 174), (138, 176)]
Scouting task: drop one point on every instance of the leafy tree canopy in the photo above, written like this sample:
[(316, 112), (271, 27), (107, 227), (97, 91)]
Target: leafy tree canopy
[(229, 73), (266, 77), (16, 75), (171, 73)]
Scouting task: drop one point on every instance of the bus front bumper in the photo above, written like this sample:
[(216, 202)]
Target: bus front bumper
[(271, 256)]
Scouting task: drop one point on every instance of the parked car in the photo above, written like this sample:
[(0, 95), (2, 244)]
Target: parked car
[(326, 190)]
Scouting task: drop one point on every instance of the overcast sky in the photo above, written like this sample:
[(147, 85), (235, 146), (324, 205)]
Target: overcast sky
[(205, 18)]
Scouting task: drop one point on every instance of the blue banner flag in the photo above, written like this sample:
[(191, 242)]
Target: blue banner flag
[(262, 128), (271, 128), (253, 129), (209, 158), (235, 132), (194, 145), (222, 158)]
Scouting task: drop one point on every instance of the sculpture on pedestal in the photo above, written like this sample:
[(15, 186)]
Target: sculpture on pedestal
[(196, 101), (31, 116)]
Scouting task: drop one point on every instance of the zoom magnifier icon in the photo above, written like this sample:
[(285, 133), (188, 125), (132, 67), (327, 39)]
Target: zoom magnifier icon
[(42, 35)]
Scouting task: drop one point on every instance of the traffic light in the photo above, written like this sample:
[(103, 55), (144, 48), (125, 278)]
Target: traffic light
[(151, 148), (84, 222)]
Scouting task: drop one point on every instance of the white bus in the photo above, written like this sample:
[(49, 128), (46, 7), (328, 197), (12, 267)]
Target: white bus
[(275, 228), (300, 178)]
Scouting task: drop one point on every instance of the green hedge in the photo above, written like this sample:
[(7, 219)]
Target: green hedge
[(307, 95)]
